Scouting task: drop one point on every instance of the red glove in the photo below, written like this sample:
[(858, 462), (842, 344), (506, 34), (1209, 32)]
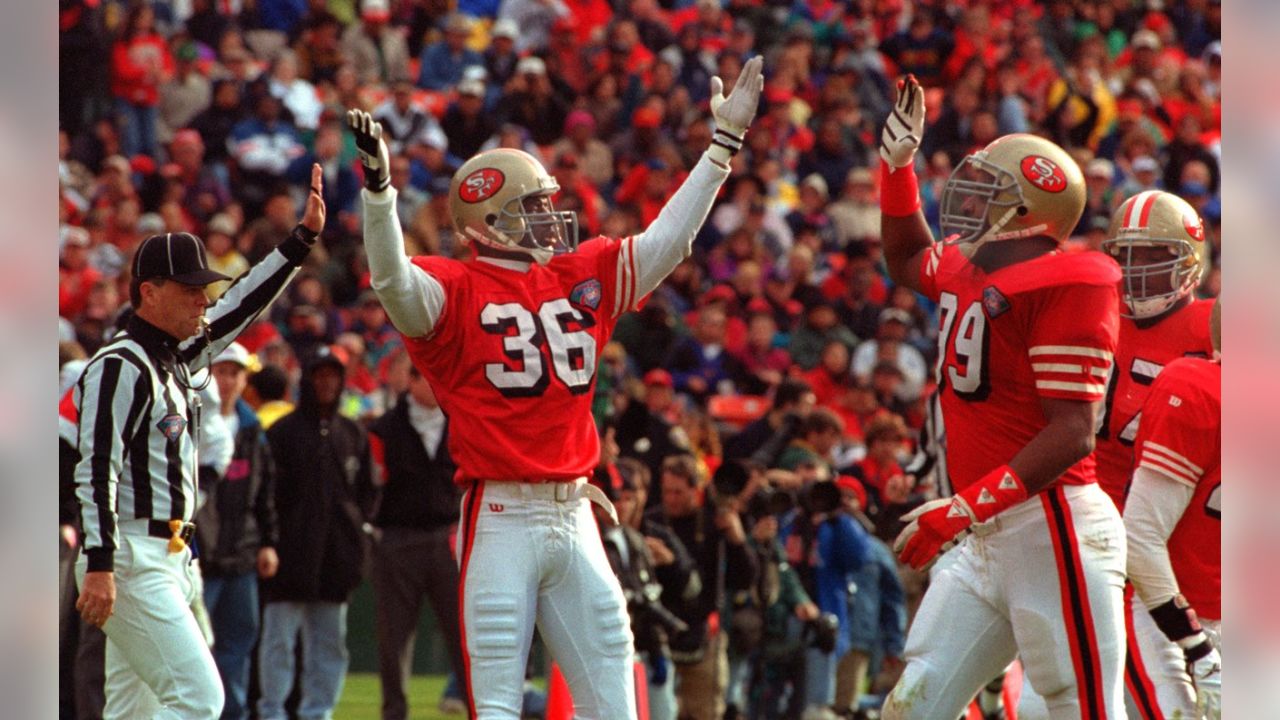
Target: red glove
[(936, 526)]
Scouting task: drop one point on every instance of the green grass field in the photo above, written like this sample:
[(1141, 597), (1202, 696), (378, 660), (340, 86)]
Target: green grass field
[(362, 698)]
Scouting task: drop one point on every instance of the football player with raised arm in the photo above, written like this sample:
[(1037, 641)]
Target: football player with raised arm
[(509, 342), (1174, 518), (1026, 340)]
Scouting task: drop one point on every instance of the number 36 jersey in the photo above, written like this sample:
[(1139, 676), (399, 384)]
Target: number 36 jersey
[(1043, 328), (512, 358)]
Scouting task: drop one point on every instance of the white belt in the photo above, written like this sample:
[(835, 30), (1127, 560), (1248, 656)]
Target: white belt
[(566, 491)]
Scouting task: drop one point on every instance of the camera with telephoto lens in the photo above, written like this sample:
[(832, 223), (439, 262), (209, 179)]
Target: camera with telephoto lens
[(822, 631), (652, 621), (728, 482), (769, 501)]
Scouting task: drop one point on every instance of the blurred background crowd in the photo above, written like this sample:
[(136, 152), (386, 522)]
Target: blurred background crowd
[(776, 385)]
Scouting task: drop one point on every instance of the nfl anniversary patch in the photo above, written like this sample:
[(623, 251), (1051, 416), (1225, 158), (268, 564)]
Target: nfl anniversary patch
[(172, 426), (586, 294), (994, 302)]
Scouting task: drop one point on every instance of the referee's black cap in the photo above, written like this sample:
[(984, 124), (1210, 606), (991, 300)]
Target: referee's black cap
[(174, 256)]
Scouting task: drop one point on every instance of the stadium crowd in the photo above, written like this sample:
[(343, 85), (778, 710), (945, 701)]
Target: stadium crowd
[(767, 412)]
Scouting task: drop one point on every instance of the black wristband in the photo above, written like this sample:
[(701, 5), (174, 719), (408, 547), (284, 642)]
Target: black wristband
[(1176, 619), (305, 234), (101, 559), (730, 137), (732, 150), (1197, 651)]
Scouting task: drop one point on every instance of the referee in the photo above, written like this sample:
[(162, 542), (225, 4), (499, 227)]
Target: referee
[(136, 479)]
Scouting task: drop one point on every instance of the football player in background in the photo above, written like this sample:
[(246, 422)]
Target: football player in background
[(509, 341), (1174, 518), (1158, 239), (1025, 345)]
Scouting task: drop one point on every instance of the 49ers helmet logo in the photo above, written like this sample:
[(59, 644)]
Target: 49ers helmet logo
[(1044, 173), (1194, 226), (481, 185)]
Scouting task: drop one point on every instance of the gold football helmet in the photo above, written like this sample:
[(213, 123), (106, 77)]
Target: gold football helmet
[(1018, 186), (1158, 239), (501, 198)]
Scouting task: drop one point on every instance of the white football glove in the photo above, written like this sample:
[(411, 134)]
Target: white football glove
[(1206, 674), (733, 114), (372, 150), (904, 128)]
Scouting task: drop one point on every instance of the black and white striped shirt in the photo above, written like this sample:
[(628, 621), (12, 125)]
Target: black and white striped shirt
[(138, 420)]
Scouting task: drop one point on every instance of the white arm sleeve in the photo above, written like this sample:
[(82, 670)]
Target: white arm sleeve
[(412, 298), (669, 238), (1156, 503)]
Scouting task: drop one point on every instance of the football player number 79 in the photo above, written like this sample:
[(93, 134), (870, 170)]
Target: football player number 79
[(967, 336), (573, 352)]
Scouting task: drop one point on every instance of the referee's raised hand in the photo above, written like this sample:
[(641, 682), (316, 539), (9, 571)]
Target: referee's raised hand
[(313, 216)]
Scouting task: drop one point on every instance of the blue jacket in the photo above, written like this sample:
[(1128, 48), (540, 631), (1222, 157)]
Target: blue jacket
[(878, 610), (839, 547), (441, 70)]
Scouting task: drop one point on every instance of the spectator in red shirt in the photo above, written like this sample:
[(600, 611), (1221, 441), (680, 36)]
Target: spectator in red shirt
[(763, 363), (140, 62), (831, 374)]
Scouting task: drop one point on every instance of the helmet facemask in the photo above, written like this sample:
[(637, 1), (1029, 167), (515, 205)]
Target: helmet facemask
[(976, 192), (541, 233), (1150, 288)]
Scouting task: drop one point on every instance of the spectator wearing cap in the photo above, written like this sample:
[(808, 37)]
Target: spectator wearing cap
[(371, 324), (1144, 174), (220, 244), (76, 277), (646, 428), (811, 212), (375, 47), (216, 122), (890, 344), (443, 61), (833, 155), (466, 125), (140, 63), (296, 93), (531, 102), (404, 122), (500, 58), (236, 532), (594, 157), (856, 213), (267, 393), (639, 142), (325, 496), (700, 363), (712, 22), (184, 95), (1101, 196), (821, 326), (432, 165), (648, 186)]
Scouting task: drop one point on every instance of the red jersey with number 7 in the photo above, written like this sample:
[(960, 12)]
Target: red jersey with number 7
[(1180, 437), (1042, 328), (512, 358)]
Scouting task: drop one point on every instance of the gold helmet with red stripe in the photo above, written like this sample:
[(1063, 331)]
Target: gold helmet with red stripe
[(501, 199), (1018, 186), (1158, 239)]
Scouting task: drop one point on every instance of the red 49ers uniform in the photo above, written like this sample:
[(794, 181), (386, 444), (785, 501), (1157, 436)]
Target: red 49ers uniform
[(512, 359), (1180, 437), (1043, 579), (1141, 354)]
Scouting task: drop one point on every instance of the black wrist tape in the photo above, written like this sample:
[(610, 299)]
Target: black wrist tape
[(1176, 619)]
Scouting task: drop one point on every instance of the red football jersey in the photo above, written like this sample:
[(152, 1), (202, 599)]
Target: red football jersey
[(512, 358), (1180, 437), (1044, 328), (1140, 356)]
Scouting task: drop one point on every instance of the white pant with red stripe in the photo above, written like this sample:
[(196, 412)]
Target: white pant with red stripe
[(1156, 683), (1044, 580), (531, 552)]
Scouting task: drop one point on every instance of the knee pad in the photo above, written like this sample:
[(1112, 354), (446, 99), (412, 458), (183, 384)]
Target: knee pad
[(613, 626)]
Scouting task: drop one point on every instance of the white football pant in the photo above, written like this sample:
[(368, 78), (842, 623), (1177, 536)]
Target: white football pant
[(1044, 580), (531, 552)]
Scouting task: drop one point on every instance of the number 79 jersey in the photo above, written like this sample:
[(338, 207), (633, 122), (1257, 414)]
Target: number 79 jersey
[(512, 358), (1043, 328)]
